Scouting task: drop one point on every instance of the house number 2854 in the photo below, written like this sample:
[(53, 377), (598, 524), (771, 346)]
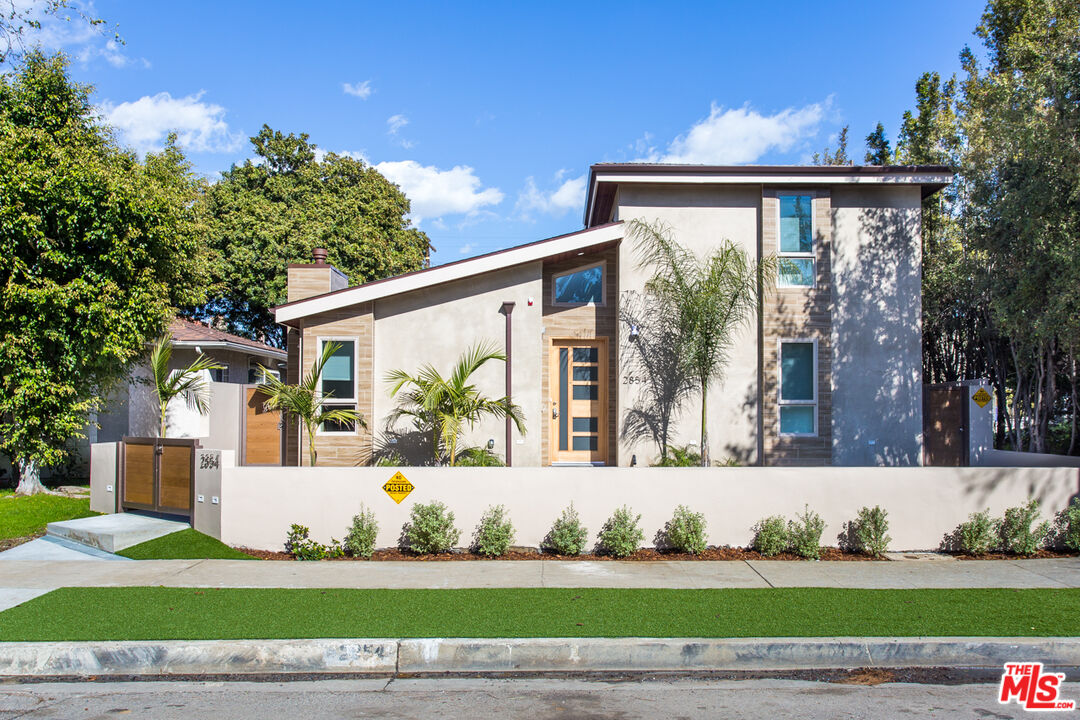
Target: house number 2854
[(209, 462), (633, 380)]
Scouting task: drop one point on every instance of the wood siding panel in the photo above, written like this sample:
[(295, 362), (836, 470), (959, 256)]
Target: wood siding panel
[(583, 322)]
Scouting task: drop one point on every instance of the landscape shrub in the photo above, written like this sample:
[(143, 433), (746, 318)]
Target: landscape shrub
[(302, 547), (494, 534), (360, 541), (621, 535), (979, 534), (390, 459), (478, 457), (1016, 531), (871, 528), (1068, 526), (430, 529), (805, 534), (685, 456), (771, 535), (567, 535), (685, 531)]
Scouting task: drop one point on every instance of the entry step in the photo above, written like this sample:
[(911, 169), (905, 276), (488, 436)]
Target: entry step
[(113, 533)]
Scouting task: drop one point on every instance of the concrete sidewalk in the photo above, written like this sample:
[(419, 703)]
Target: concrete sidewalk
[(19, 577)]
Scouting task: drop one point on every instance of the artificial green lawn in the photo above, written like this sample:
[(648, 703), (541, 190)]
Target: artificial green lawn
[(183, 545), (23, 516), (158, 613)]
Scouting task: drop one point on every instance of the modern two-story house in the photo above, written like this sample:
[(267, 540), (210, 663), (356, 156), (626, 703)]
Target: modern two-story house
[(828, 372)]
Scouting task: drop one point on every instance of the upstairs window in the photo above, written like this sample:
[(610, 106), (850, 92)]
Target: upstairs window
[(796, 252), (220, 374), (798, 387), (581, 286), (338, 382)]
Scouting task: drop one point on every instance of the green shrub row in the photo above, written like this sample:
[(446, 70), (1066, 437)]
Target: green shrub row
[(431, 530)]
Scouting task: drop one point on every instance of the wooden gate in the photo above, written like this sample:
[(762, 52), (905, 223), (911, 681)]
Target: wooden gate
[(158, 474), (945, 425), (260, 431)]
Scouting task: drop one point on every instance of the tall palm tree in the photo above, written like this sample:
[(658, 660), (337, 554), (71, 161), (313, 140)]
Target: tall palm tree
[(445, 406), (306, 400), (711, 299), (189, 382)]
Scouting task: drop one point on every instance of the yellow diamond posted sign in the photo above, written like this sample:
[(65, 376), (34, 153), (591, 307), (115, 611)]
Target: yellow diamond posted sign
[(398, 488), (981, 397)]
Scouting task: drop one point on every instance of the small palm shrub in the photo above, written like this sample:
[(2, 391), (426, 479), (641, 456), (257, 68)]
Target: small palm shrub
[(430, 529), (360, 541), (805, 534), (1016, 531), (494, 534), (1068, 526), (621, 535), (567, 536), (302, 547), (478, 457), (871, 528), (771, 535), (685, 456), (979, 534), (685, 531)]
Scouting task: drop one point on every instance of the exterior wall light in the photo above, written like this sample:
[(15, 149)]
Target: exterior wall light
[(634, 332)]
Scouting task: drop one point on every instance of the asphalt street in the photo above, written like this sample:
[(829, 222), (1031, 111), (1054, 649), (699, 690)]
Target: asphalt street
[(542, 699)]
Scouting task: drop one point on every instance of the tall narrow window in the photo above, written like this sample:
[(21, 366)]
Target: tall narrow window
[(798, 388), (338, 382), (796, 251), (582, 286)]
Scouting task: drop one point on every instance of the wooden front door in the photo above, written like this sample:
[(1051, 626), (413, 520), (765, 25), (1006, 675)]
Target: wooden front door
[(945, 421), (158, 474), (579, 401), (262, 430)]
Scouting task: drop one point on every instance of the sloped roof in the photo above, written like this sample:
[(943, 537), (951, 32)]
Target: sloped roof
[(540, 250), (189, 332)]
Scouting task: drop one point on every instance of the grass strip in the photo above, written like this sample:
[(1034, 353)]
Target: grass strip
[(160, 613), (21, 516), (189, 544)]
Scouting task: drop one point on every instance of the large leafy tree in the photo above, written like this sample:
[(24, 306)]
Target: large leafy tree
[(266, 214), (96, 247)]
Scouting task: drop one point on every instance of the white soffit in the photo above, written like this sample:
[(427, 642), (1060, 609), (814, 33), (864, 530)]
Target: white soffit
[(450, 272)]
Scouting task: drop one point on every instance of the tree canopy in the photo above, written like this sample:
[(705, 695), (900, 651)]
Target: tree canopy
[(266, 214), (96, 248)]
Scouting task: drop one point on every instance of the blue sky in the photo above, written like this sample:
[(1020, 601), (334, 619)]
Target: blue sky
[(489, 115)]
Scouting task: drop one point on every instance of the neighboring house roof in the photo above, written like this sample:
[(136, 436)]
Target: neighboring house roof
[(561, 245), (188, 333), (604, 178)]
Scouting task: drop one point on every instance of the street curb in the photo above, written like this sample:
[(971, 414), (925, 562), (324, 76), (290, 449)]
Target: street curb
[(524, 655)]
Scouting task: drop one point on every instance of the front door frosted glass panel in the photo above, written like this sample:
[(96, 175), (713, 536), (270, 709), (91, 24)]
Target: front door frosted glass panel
[(580, 287), (579, 395), (798, 396)]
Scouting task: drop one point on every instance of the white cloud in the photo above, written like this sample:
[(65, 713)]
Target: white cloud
[(69, 29), (320, 154), (396, 122), (361, 90), (740, 135), (146, 122), (570, 195), (434, 192), (466, 248)]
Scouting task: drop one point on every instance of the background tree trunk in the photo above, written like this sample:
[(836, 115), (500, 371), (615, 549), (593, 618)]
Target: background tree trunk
[(29, 480)]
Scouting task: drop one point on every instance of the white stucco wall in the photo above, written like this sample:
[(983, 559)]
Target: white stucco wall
[(700, 216), (258, 504), (877, 326), (438, 324)]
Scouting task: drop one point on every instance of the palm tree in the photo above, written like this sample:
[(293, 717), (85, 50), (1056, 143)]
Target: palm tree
[(189, 382), (710, 297), (445, 406), (306, 401)]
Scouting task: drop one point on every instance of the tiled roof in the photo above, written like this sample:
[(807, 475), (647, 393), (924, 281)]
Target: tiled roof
[(189, 331)]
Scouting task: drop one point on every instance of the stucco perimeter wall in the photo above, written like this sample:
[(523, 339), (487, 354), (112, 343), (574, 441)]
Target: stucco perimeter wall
[(877, 326), (437, 324), (700, 216), (259, 504)]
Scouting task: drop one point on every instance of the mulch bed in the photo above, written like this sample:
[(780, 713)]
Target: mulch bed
[(1040, 555), (644, 555)]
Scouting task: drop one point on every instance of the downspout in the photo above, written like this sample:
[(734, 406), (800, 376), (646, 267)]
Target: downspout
[(507, 308)]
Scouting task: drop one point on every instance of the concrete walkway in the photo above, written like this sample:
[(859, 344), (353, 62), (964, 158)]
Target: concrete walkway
[(22, 576)]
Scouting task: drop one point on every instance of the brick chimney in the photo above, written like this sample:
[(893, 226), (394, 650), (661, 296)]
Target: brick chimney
[(315, 278)]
